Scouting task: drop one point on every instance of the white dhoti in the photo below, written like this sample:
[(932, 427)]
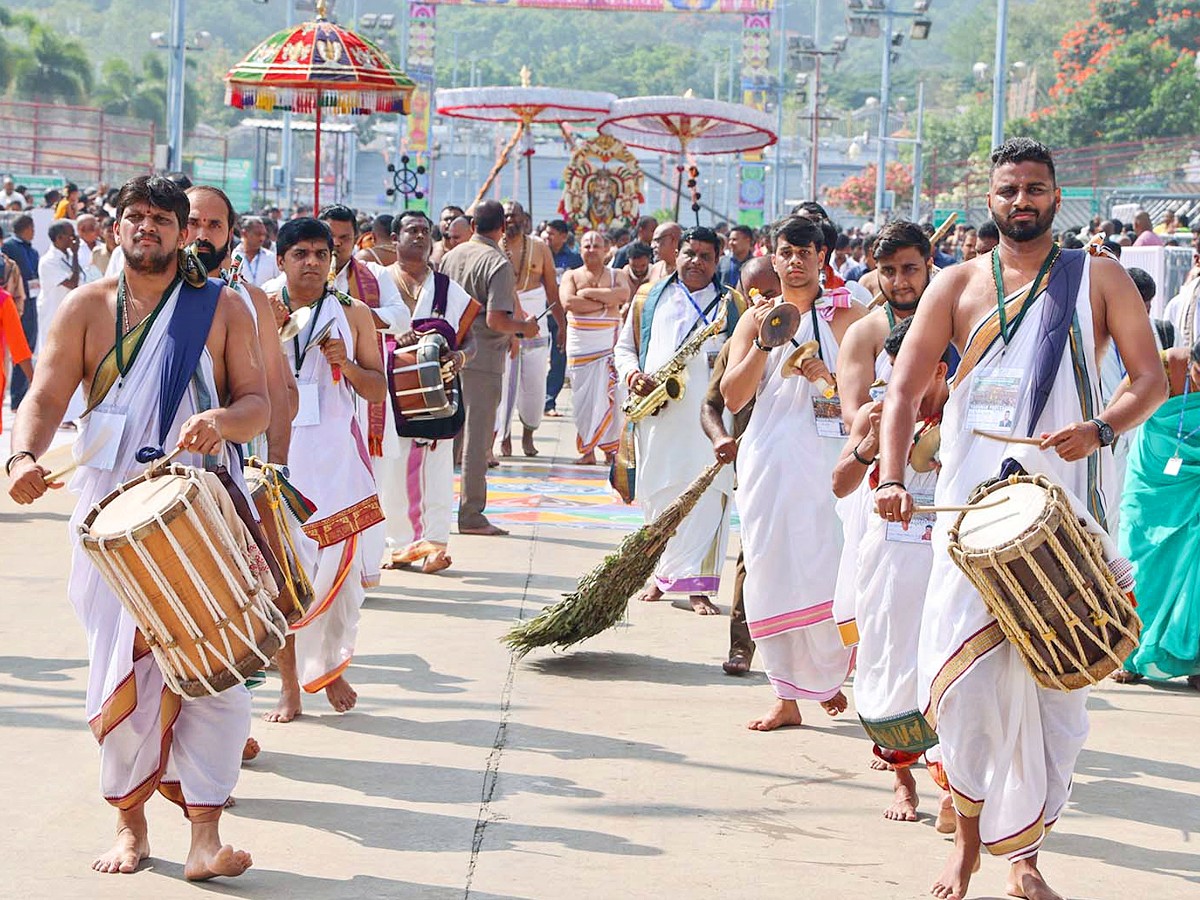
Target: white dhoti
[(856, 512), (1008, 746), (330, 465), (524, 386), (890, 583), (149, 738), (672, 450), (791, 536), (415, 476), (417, 490), (590, 341)]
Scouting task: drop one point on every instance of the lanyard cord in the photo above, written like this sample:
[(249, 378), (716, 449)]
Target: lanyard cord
[(1180, 437), (312, 327), (816, 320), (998, 276)]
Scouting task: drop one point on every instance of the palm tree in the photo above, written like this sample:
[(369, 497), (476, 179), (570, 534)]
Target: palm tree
[(123, 91), (53, 67)]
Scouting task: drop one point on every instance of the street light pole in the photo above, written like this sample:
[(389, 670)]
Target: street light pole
[(885, 90), (175, 87), (1000, 73), (780, 186), (919, 154), (814, 151)]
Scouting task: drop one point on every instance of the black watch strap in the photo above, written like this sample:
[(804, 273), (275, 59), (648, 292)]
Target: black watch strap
[(1107, 435)]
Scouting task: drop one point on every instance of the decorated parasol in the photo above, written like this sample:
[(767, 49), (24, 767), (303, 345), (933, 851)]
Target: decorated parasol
[(315, 66), (524, 105), (687, 125)]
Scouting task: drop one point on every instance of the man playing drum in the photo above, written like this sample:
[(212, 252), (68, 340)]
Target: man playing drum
[(416, 476), (1009, 746), (191, 751)]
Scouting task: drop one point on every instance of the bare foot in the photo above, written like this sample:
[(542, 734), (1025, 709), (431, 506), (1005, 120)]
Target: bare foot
[(956, 877), (1124, 676), (527, 445), (130, 848), (492, 461), (488, 530), (835, 704), (737, 664), (651, 594), (947, 819), (879, 765), (1024, 880), (204, 863), (341, 696), (251, 749), (702, 606), (506, 447), (394, 563), (588, 459), (288, 707), (904, 809), (784, 714), (436, 563)]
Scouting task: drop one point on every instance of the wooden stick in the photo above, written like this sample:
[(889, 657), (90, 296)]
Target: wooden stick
[(67, 470), (918, 510), (1007, 438)]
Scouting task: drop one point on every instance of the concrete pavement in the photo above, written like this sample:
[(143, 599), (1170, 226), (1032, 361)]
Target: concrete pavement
[(622, 769)]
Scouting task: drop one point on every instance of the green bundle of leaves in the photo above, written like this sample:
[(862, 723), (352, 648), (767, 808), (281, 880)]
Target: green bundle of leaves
[(602, 596)]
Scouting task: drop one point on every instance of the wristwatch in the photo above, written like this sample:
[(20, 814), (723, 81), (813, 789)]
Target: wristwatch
[(1107, 435)]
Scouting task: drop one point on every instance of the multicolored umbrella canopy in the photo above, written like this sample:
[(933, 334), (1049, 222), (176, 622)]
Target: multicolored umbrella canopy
[(315, 66)]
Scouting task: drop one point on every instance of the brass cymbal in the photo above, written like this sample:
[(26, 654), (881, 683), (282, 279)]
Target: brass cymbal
[(791, 365), (295, 323), (925, 449), (780, 325)]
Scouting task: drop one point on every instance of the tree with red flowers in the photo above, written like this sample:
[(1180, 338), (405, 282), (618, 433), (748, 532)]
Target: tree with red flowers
[(1125, 74), (857, 193)]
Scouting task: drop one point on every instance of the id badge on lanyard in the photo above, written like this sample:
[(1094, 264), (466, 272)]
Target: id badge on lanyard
[(995, 395)]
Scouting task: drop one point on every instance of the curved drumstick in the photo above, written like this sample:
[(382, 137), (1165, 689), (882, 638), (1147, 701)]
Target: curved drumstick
[(919, 510), (1006, 438)]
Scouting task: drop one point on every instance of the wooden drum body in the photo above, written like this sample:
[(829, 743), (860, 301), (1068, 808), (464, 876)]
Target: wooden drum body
[(295, 591), (1045, 579), (171, 547), (416, 379)]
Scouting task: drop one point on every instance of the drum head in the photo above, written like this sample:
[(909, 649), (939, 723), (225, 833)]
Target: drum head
[(138, 505), (987, 529)]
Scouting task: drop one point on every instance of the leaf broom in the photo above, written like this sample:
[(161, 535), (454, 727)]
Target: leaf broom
[(600, 600)]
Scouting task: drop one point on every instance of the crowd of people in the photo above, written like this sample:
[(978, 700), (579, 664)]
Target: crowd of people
[(841, 433)]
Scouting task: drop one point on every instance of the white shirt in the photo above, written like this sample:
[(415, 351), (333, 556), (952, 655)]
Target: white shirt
[(6, 200), (261, 269), (53, 269)]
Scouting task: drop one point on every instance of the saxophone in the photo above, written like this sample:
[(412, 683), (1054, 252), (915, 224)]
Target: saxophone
[(672, 375)]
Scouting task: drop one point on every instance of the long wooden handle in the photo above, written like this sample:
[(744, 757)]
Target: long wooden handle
[(1007, 438)]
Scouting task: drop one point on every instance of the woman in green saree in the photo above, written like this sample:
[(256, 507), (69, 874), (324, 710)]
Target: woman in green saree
[(1160, 528)]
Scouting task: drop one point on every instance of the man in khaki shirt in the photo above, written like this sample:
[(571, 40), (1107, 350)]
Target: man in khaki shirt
[(484, 272)]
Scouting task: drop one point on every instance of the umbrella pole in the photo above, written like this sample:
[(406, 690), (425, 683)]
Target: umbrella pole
[(678, 188), (317, 163), (529, 179)]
